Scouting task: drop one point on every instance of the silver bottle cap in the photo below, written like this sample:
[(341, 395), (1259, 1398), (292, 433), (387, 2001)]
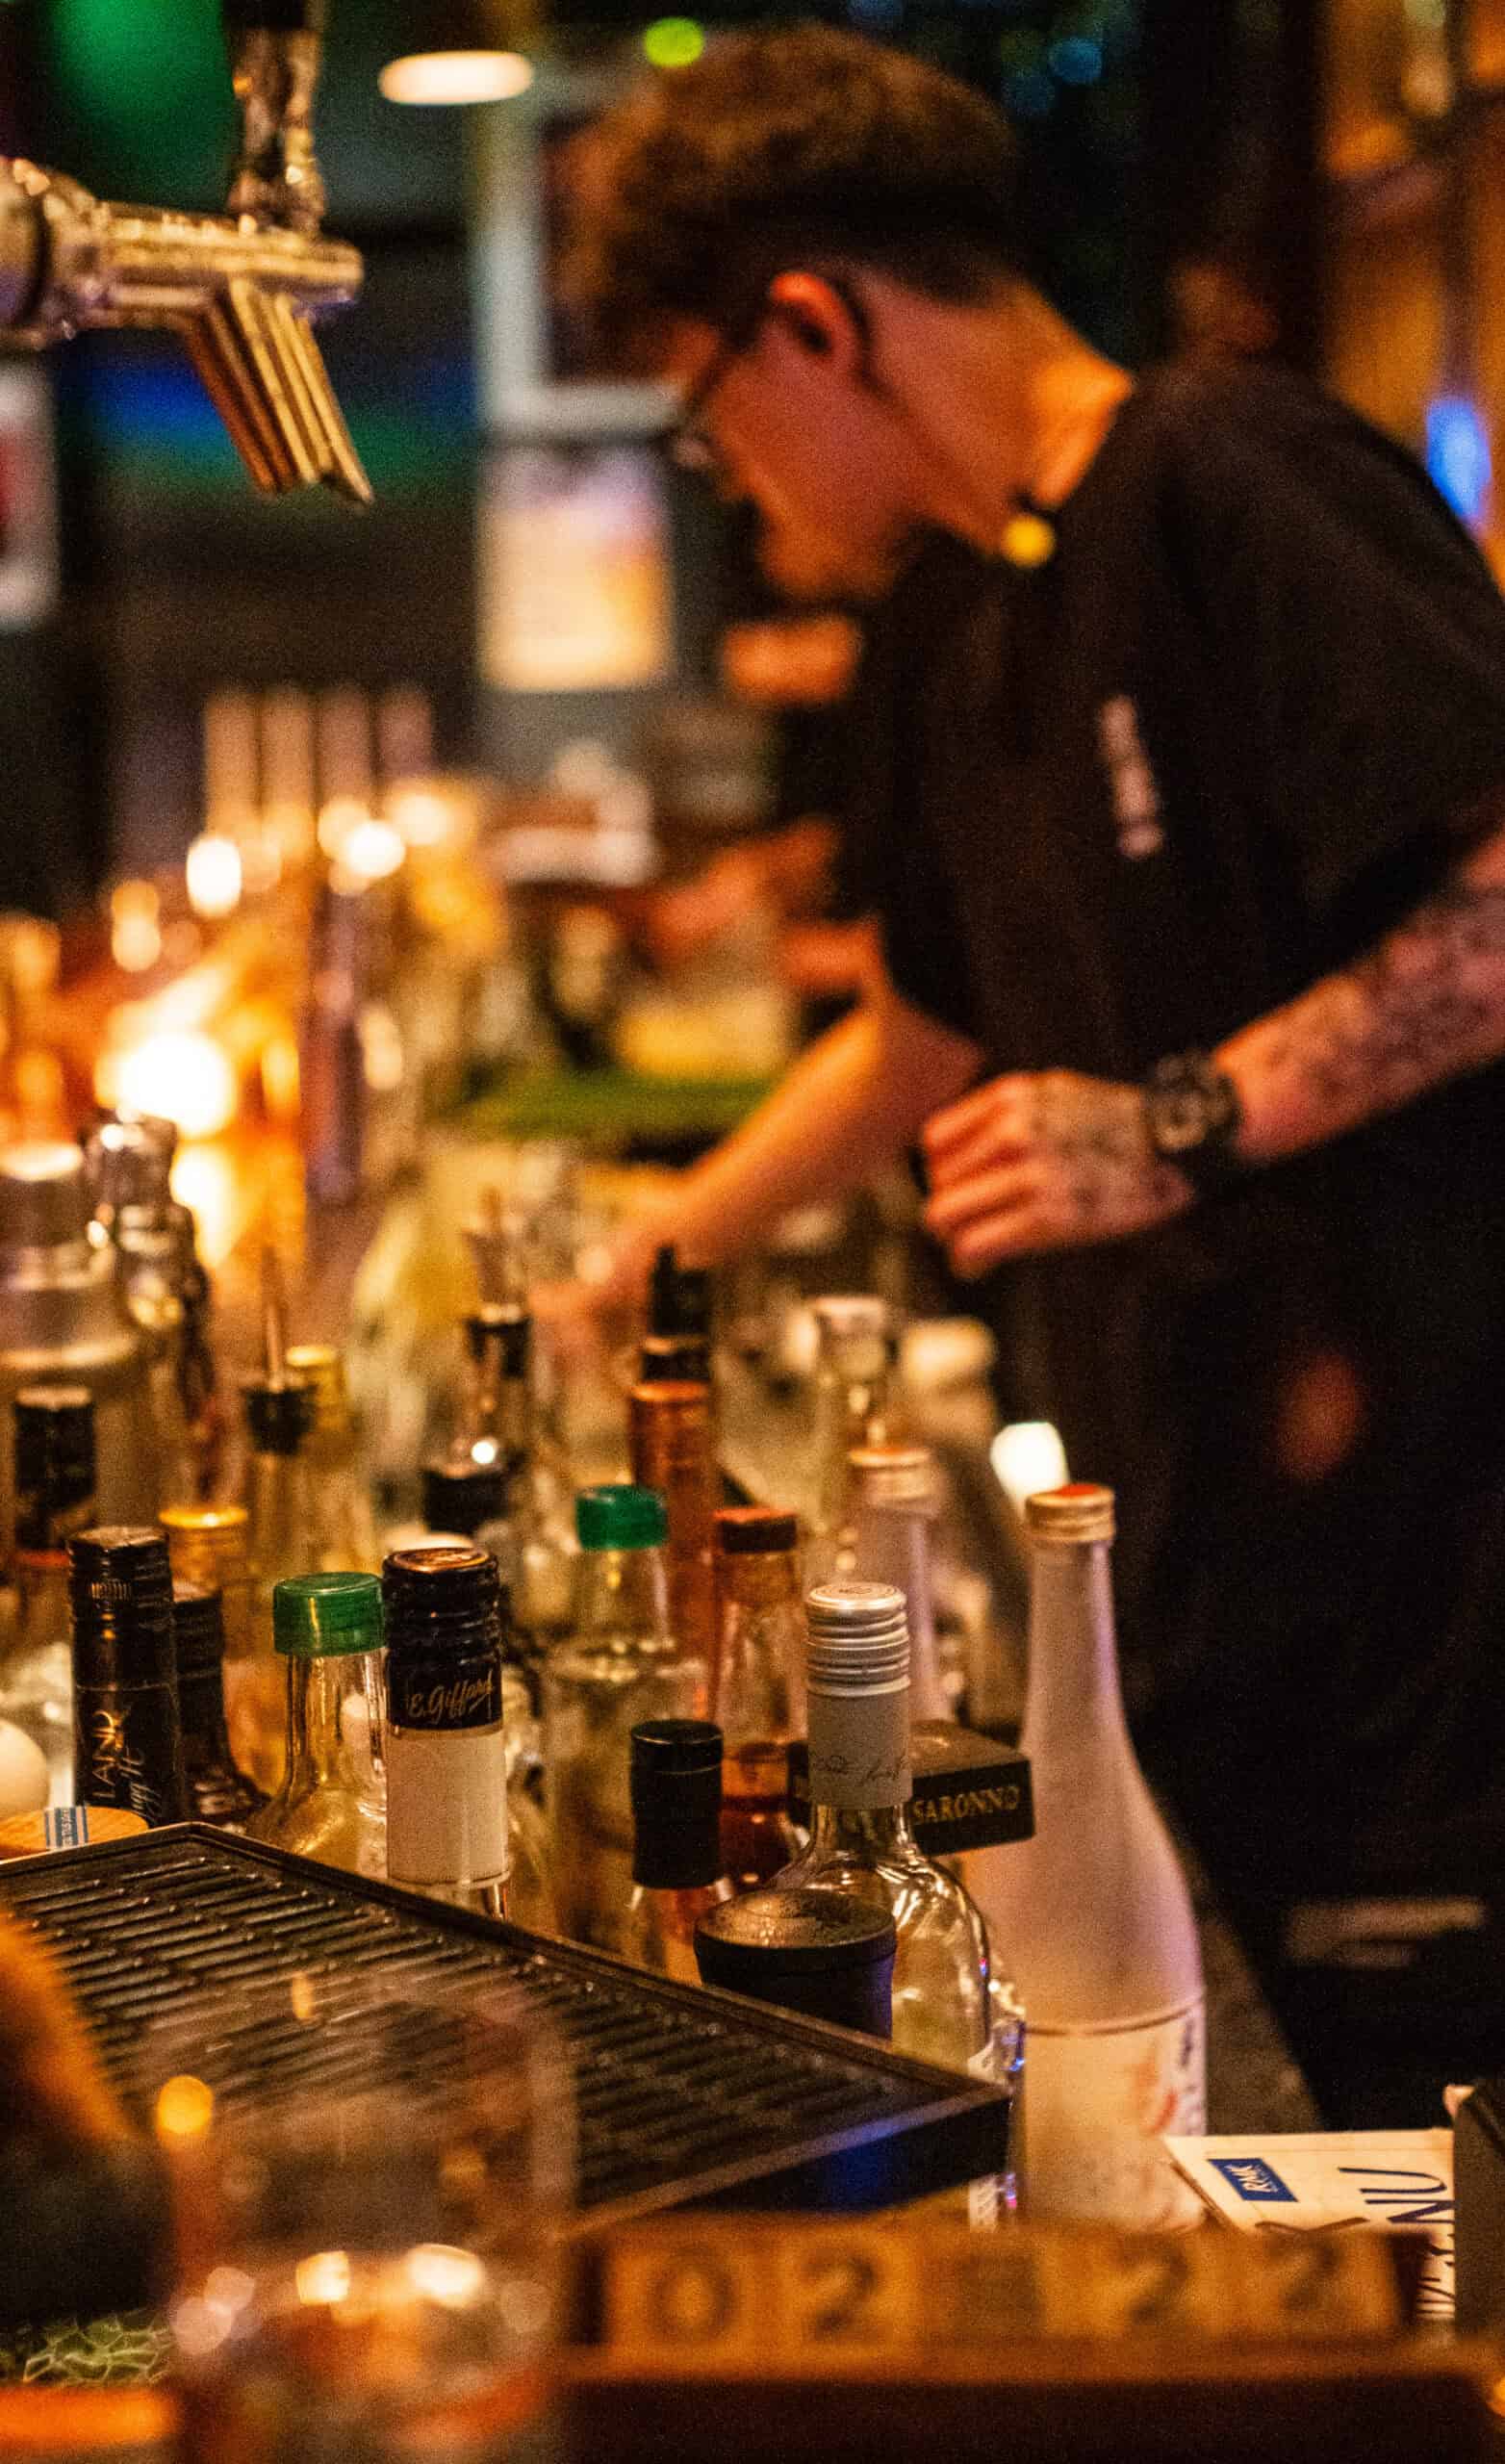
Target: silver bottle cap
[(44, 1197), (859, 1638), (1067, 1517)]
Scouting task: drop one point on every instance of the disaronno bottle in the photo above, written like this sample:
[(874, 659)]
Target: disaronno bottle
[(1095, 1908), (446, 1749)]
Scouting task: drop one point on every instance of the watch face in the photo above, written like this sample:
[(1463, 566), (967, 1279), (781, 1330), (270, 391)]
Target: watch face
[(1181, 1119)]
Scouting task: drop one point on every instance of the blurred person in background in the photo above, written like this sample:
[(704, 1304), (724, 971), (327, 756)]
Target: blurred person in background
[(1191, 882)]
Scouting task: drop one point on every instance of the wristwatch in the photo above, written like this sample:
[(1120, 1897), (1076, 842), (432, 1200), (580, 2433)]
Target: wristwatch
[(1192, 1112)]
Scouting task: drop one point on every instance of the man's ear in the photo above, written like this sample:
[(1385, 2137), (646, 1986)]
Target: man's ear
[(817, 317)]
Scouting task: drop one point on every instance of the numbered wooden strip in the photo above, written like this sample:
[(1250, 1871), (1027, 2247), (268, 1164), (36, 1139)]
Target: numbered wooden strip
[(711, 2292)]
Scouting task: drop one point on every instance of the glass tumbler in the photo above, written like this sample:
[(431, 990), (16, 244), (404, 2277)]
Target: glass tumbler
[(368, 2182)]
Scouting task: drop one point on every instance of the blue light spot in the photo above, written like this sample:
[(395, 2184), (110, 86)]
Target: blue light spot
[(1458, 454), (1075, 61), (1030, 93)]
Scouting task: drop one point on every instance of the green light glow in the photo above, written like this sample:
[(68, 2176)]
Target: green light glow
[(674, 43)]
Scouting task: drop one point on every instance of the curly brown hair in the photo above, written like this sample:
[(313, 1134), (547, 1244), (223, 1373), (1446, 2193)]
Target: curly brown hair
[(782, 148)]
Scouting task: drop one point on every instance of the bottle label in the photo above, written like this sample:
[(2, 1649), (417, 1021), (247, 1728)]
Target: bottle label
[(1096, 2107), (128, 1748), (859, 1750), (425, 1694), (447, 1805)]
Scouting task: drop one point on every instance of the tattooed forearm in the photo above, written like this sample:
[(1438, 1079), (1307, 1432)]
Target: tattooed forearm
[(1426, 1004)]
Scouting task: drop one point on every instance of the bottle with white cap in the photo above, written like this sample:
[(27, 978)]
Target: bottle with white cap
[(1095, 1908), (860, 1839)]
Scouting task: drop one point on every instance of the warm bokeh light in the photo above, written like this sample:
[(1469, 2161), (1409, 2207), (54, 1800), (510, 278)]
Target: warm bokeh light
[(323, 2278), (183, 1077), (453, 2279), (424, 818), (184, 2107), (214, 875), (373, 851), (1028, 1456), (205, 1180), (674, 43), (456, 77), (337, 819), (134, 927)]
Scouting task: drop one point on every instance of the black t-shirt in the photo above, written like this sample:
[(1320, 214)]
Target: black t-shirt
[(1240, 724)]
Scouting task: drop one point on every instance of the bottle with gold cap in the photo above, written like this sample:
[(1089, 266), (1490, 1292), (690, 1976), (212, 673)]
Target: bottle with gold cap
[(760, 1699), (210, 1547), (331, 1804), (343, 1528), (1094, 1909), (672, 1450)]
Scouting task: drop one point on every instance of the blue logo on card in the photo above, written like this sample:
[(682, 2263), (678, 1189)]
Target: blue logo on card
[(1252, 2178)]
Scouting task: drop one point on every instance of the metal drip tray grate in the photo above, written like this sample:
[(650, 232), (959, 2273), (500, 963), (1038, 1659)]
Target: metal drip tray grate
[(682, 2096)]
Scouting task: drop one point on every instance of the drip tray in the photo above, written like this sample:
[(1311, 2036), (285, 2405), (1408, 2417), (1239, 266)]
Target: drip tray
[(683, 2097)]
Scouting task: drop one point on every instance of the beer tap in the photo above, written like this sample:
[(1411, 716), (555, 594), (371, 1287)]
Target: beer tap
[(242, 288)]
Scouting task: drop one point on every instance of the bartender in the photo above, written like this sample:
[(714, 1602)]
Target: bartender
[(1193, 884)]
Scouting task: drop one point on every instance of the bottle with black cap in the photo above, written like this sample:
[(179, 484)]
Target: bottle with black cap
[(53, 1497), (280, 1536), (677, 1345), (217, 1792), (446, 1748), (127, 1726), (332, 1800), (677, 1876)]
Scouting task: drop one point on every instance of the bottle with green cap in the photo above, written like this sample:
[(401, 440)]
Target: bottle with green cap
[(619, 1666), (331, 1805)]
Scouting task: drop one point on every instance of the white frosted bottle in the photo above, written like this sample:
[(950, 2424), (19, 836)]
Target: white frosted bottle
[(1093, 1914)]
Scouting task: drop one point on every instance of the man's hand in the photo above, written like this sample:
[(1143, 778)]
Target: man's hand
[(1051, 1160)]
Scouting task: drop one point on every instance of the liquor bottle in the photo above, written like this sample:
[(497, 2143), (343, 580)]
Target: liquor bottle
[(622, 1664), (344, 1529), (1095, 1908), (447, 1752), (673, 1449), (894, 1500), (677, 1345), (467, 1500), (210, 1546), (678, 1874), (54, 1498), (853, 1367), (760, 1698), (127, 1726), (217, 1792), (862, 1843), (538, 1561), (328, 1631), (280, 1541)]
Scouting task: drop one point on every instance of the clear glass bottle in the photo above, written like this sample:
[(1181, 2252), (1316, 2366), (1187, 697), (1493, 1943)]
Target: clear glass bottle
[(127, 1725), (217, 1792), (343, 1526), (539, 1565), (446, 1748), (673, 1449), (331, 1802), (54, 1498), (678, 1873), (622, 1664), (854, 1364), (894, 1502), (860, 1839), (1095, 1908), (761, 1689)]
